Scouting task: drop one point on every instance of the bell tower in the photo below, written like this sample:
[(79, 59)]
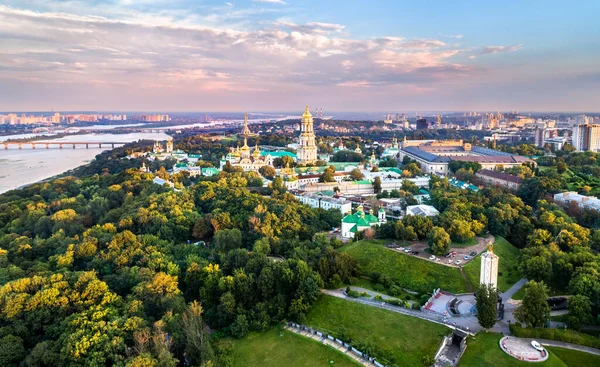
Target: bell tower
[(307, 152)]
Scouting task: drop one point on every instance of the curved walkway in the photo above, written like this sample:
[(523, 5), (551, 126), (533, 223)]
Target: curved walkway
[(458, 322), (559, 344)]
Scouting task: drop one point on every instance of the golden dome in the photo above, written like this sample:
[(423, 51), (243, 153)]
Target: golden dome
[(306, 113)]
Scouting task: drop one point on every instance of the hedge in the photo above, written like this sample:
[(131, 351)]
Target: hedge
[(563, 335)]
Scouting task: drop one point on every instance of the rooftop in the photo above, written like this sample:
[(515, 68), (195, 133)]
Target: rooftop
[(500, 176)]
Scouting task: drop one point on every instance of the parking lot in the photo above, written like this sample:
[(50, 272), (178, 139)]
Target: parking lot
[(459, 256)]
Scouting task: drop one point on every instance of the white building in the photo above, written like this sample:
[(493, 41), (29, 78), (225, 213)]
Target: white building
[(422, 210), (489, 268), (586, 137), (324, 202), (583, 201)]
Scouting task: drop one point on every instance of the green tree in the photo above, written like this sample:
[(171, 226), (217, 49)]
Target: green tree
[(328, 175), (377, 185), (439, 241), (12, 351), (267, 171), (356, 175), (534, 310), (580, 312), (228, 239), (486, 303), (239, 328)]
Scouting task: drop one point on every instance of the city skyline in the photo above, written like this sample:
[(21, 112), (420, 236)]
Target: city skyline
[(274, 55)]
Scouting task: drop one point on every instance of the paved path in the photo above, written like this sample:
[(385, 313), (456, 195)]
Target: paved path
[(556, 343), (461, 322), (374, 293), (514, 289)]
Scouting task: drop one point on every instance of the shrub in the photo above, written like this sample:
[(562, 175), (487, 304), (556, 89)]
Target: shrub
[(379, 287), (378, 298), (416, 306), (352, 293), (395, 291)]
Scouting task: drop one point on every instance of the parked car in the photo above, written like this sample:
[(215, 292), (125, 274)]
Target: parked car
[(448, 254), (432, 257), (458, 262), (407, 250), (437, 259), (473, 253), (467, 257), (401, 248), (453, 253), (415, 252)]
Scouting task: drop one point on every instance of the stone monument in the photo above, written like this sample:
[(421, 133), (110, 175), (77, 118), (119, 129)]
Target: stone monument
[(489, 268)]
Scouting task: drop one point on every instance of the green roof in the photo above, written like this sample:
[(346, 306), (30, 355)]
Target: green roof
[(350, 218), (353, 229), (278, 154), (211, 170), (359, 219), (371, 218), (195, 156), (363, 182)]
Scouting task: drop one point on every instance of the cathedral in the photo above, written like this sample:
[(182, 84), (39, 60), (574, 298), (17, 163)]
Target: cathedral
[(307, 150), (243, 157)]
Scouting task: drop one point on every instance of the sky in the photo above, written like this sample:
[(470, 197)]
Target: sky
[(279, 55)]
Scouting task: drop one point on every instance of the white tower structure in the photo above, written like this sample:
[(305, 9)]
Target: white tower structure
[(169, 146), (307, 152), (381, 215), (489, 268)]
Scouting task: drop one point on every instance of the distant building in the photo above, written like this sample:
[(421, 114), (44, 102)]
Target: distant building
[(586, 137), (540, 137), (161, 182), (422, 210), (324, 202), (489, 268), (434, 156), (497, 178), (357, 222), (422, 124), (582, 201)]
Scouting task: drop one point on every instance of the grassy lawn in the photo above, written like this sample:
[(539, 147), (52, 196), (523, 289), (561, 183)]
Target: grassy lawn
[(407, 271), (508, 265), (471, 242), (401, 339), (369, 284), (279, 347), (483, 350), (575, 358)]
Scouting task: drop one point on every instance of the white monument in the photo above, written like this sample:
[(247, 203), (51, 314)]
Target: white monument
[(489, 268)]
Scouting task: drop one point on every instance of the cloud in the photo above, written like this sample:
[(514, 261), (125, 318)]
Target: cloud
[(186, 54), (310, 27), (455, 36), (499, 49), (270, 1)]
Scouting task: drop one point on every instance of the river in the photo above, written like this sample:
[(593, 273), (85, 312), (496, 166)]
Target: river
[(26, 166)]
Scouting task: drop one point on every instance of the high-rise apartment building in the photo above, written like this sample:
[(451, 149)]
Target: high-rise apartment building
[(586, 137)]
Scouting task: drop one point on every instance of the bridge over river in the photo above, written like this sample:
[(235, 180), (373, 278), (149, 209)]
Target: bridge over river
[(60, 144)]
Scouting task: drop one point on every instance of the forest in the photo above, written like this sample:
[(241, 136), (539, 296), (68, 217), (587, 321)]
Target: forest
[(108, 268)]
